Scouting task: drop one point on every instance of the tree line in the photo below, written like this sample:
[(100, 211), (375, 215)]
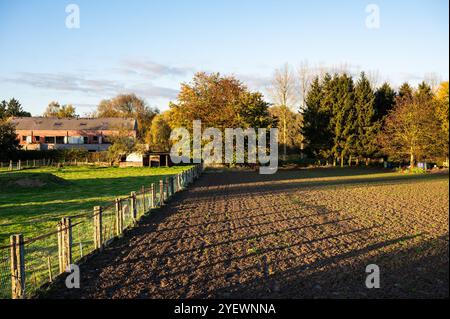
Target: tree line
[(344, 121), (8, 138), (330, 117)]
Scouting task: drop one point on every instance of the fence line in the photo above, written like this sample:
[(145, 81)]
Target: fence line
[(36, 163), (27, 264)]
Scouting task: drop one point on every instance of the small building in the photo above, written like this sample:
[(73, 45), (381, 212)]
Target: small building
[(92, 134), (160, 159), (148, 159)]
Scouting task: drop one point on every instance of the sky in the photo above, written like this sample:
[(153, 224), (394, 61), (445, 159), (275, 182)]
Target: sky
[(151, 47)]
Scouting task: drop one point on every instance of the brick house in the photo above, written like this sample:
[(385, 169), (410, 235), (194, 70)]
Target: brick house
[(42, 133)]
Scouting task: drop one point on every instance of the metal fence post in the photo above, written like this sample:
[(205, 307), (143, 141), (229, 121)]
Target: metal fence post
[(17, 267), (98, 238)]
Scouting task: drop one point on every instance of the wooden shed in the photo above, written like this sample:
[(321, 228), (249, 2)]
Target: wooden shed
[(159, 159)]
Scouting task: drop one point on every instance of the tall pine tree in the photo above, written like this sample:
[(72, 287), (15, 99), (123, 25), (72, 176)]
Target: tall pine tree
[(316, 121), (366, 126), (384, 101), (344, 118), (405, 92), (329, 86)]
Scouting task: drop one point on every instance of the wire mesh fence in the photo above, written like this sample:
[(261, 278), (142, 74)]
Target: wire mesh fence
[(28, 164), (28, 264), (41, 262), (5, 274)]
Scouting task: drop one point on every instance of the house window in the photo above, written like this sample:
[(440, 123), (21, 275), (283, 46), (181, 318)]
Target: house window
[(37, 138), (60, 140), (95, 139), (85, 140), (75, 140), (50, 140), (27, 139)]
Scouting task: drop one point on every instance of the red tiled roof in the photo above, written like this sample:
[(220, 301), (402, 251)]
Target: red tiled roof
[(50, 123)]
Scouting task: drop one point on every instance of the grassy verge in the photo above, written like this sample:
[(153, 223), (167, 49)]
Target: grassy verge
[(31, 201)]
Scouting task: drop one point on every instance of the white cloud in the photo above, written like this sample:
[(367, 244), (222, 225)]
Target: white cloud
[(152, 69), (98, 87)]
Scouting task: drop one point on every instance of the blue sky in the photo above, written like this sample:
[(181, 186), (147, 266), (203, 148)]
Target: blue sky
[(150, 47)]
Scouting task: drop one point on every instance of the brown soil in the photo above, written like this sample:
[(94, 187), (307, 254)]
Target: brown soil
[(244, 235)]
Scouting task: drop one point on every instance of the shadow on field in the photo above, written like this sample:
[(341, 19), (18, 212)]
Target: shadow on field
[(285, 180), (402, 275), (196, 247)]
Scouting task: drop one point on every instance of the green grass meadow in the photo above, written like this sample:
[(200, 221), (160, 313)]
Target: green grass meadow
[(33, 201)]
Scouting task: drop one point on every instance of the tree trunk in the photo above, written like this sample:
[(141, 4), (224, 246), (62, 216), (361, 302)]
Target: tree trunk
[(284, 134), (412, 161), (342, 160), (350, 161)]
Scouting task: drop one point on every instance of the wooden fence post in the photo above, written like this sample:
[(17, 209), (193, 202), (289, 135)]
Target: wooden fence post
[(64, 244), (182, 180), (34, 163), (153, 190), (161, 192), (119, 217), (10, 165), (19, 165), (179, 182), (17, 267), (133, 206), (167, 196), (98, 236), (143, 199)]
